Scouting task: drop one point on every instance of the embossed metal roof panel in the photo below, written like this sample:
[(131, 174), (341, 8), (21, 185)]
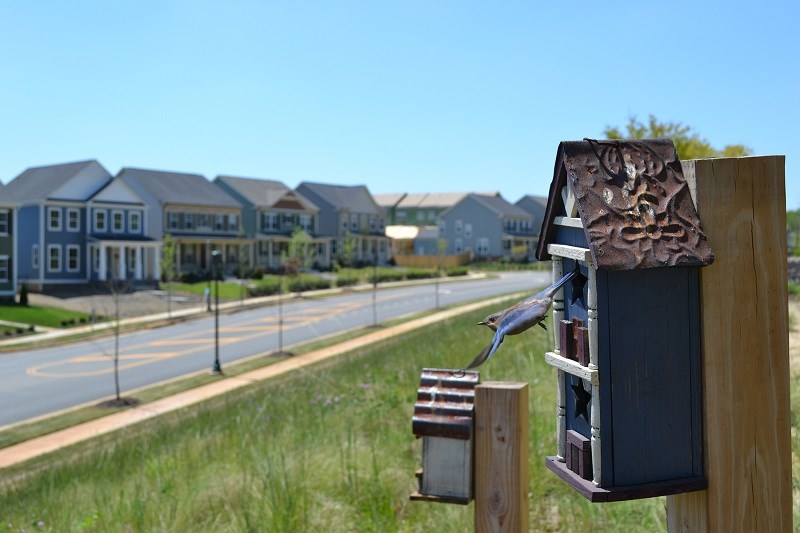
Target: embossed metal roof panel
[(445, 403), (633, 202)]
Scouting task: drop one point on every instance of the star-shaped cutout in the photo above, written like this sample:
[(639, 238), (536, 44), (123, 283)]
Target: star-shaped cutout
[(582, 399), (578, 283)]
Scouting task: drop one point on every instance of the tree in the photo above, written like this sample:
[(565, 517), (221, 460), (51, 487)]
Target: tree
[(688, 144), (793, 231), (298, 255), (168, 250), (116, 289)]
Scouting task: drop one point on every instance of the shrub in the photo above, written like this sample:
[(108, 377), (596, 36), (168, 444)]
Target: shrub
[(346, 280), (23, 294), (265, 288), (457, 271), (307, 283), (385, 274), (420, 273)]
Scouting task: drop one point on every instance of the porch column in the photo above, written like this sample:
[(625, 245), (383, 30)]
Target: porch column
[(101, 275), (269, 254), (138, 261), (121, 266)]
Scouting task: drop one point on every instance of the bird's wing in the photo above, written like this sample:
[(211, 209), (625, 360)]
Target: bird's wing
[(487, 352)]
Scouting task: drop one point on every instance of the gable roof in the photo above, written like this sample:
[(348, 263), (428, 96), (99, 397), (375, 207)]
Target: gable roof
[(633, 202), (176, 187), (389, 200), (501, 206), (265, 193), (76, 181), (350, 197)]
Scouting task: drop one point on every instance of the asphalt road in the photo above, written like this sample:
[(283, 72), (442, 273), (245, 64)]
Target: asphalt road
[(37, 382)]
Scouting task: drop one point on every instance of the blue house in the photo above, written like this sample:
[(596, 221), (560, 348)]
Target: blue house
[(51, 221), (118, 243)]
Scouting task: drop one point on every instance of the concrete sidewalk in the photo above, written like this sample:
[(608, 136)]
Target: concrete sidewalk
[(24, 451)]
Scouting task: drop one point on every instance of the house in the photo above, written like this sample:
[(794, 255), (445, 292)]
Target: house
[(8, 235), (118, 241), (51, 221), (349, 213), (627, 327), (535, 206), (270, 213), (200, 216), (488, 227), (419, 209)]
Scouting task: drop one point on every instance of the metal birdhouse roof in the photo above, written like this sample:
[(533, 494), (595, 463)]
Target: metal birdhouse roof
[(633, 202), (445, 403)]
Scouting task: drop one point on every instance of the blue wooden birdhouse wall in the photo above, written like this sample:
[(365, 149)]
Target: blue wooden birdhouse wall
[(627, 330)]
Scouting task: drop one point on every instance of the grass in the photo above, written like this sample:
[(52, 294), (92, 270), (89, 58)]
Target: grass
[(51, 317), (327, 448)]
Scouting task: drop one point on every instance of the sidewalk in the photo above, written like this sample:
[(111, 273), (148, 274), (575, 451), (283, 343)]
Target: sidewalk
[(24, 451)]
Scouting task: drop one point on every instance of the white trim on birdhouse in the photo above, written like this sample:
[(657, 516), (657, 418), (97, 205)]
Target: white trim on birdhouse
[(570, 205), (573, 367), (571, 252), (571, 222)]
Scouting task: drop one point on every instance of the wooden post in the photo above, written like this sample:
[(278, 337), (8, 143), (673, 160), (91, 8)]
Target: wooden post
[(501, 457), (746, 409)]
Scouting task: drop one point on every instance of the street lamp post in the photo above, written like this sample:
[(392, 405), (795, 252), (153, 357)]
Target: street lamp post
[(216, 369)]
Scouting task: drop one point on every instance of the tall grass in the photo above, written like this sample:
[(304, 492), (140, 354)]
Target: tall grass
[(327, 449)]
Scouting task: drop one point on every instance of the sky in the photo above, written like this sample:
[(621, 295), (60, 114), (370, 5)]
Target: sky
[(401, 96)]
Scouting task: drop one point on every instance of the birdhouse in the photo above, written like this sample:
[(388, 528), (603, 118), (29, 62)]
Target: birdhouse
[(627, 331), (443, 418)]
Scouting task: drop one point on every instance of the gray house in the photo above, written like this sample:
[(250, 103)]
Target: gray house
[(534, 205), (200, 216), (349, 211), (8, 235), (270, 213), (488, 227), (52, 247)]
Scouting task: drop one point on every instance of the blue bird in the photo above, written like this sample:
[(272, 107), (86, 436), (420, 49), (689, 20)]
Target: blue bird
[(518, 318)]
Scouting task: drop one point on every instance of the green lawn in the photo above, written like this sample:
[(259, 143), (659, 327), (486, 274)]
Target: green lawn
[(51, 317), (326, 449)]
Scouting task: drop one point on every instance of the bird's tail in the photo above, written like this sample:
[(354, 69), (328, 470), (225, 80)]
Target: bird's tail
[(558, 284)]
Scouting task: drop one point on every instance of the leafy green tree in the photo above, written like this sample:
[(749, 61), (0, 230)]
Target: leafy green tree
[(298, 255), (793, 231), (689, 144)]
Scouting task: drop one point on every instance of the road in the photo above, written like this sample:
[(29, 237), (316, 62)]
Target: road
[(40, 381)]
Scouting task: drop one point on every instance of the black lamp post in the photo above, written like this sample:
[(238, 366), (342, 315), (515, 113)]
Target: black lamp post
[(216, 369)]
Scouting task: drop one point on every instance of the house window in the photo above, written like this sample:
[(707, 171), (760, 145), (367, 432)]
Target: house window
[(219, 222), (269, 222), (400, 216), (459, 226), (305, 222), (372, 223), (131, 260), (483, 246), (73, 219), (135, 222), (233, 222), (188, 221), (459, 246), (54, 218), (202, 221), (506, 245), (53, 258), (100, 220), (442, 227), (4, 275), (117, 222), (431, 216), (3, 221), (172, 218), (468, 230), (420, 216), (35, 256), (354, 220), (73, 258)]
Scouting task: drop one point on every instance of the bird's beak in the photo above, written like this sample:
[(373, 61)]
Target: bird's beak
[(482, 323)]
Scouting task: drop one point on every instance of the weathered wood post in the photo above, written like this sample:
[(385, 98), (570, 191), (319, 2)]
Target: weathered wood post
[(744, 320), (501, 457)]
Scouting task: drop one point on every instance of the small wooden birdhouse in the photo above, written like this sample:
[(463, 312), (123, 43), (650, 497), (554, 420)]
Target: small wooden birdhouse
[(627, 330), (443, 418)]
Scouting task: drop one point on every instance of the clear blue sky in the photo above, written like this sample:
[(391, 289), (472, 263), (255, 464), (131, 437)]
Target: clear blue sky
[(408, 95)]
